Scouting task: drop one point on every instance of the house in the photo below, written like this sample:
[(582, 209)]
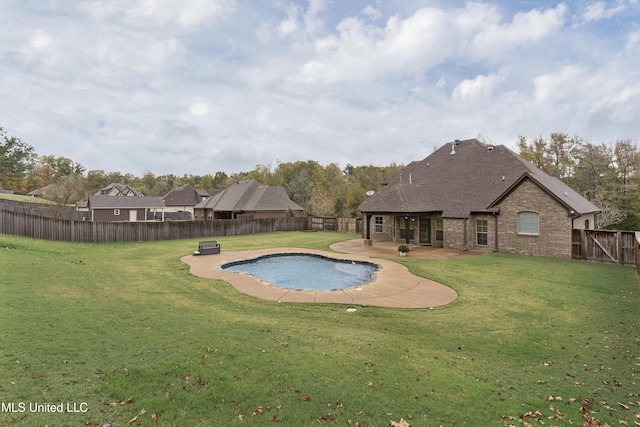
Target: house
[(185, 198), (140, 208), (115, 189), (111, 190), (247, 199), (468, 195), (53, 192)]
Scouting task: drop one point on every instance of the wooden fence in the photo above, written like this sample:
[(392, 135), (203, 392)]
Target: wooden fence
[(638, 252), (42, 209), (70, 230), (606, 246), (27, 225), (340, 225)]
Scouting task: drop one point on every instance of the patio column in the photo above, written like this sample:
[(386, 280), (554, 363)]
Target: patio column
[(407, 238), (367, 230)]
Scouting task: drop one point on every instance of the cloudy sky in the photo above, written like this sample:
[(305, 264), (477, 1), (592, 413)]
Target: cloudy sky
[(196, 87)]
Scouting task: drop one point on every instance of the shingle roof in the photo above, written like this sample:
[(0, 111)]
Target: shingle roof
[(111, 202), (463, 177), (250, 196), (122, 190)]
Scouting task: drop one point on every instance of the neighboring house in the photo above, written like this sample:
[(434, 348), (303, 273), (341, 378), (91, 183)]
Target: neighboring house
[(115, 189), (57, 193), (185, 198), (141, 208), (111, 190), (467, 195), (247, 199)]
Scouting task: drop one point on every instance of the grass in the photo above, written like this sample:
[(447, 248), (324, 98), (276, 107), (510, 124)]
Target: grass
[(126, 330), (26, 199)]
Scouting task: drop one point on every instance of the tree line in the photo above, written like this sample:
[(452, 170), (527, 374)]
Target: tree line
[(606, 174), (322, 190)]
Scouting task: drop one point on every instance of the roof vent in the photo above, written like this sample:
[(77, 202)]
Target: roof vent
[(490, 148), (453, 148)]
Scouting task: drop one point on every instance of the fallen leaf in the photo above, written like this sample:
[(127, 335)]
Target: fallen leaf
[(124, 402), (402, 423), (132, 420), (305, 397), (276, 418)]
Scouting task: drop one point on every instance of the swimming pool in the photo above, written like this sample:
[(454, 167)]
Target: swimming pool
[(306, 271)]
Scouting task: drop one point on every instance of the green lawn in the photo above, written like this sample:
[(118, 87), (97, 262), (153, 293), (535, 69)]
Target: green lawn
[(125, 333)]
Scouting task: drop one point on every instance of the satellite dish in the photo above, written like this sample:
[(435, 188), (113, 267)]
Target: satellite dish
[(370, 193)]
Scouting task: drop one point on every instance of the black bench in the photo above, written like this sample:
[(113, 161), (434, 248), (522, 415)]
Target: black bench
[(207, 248)]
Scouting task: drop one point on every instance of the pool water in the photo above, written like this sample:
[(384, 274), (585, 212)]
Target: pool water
[(306, 271)]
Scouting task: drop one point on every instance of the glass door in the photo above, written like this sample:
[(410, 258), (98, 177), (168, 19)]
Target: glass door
[(425, 231)]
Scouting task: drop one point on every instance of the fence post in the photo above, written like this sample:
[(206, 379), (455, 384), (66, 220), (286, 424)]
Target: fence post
[(619, 247)]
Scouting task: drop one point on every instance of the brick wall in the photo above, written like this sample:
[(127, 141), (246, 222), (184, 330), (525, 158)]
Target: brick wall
[(554, 238)]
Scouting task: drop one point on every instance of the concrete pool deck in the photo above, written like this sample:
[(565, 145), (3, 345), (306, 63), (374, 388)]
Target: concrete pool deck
[(394, 286)]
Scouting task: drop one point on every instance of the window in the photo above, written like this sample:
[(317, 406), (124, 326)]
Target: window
[(482, 232), (116, 211), (378, 224), (528, 223), (439, 230)]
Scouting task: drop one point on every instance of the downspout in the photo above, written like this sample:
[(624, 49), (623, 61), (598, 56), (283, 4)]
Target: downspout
[(495, 218), (464, 243)]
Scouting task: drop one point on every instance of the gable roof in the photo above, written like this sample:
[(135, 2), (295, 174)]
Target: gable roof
[(111, 202), (187, 195), (246, 196), (463, 177), (51, 190), (115, 189)]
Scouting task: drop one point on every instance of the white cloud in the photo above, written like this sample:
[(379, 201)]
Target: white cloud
[(199, 87), (426, 39), (633, 41), (372, 13), (598, 10), (482, 85), (556, 85), (525, 28), (40, 39)]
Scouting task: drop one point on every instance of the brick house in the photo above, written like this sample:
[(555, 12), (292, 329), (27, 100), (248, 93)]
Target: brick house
[(468, 195)]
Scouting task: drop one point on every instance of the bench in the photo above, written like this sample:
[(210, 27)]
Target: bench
[(207, 248)]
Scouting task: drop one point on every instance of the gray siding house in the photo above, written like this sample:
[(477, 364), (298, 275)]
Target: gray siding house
[(468, 195), (123, 208)]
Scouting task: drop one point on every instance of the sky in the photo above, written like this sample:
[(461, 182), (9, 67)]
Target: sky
[(197, 87)]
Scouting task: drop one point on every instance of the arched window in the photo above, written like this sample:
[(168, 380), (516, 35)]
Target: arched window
[(528, 223)]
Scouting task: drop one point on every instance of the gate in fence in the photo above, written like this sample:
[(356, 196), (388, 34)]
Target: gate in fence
[(610, 246)]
